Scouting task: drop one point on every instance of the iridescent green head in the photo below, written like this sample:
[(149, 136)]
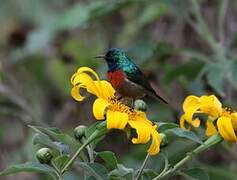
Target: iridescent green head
[(115, 58)]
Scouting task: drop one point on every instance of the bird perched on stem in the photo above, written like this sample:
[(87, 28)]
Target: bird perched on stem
[(125, 76)]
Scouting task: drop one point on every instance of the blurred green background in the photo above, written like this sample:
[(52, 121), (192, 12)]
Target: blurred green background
[(183, 46)]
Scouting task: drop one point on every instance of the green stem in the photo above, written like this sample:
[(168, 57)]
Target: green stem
[(213, 140), (98, 133), (90, 153), (143, 166), (166, 166)]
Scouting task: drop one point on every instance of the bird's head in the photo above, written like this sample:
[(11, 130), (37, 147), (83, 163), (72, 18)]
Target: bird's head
[(114, 57)]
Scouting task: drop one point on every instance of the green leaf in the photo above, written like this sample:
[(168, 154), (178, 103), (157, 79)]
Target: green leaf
[(197, 174), (29, 167), (123, 172), (44, 140), (96, 170), (90, 130), (185, 134), (56, 135), (109, 157), (63, 148), (215, 76), (162, 126), (61, 161)]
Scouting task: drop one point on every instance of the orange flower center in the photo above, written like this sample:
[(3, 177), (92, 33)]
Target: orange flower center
[(116, 105), (226, 112)]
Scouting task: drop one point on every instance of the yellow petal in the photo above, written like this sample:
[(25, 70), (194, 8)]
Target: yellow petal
[(75, 93), (87, 82), (225, 128), (234, 120), (141, 116), (105, 87), (211, 129), (210, 105), (190, 106), (194, 123), (86, 69), (116, 120), (190, 102), (143, 132), (99, 108), (182, 122), (107, 91), (155, 144)]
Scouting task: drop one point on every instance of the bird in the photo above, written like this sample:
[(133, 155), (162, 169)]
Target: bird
[(126, 77)]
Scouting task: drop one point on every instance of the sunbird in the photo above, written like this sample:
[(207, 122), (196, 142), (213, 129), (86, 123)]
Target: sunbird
[(126, 77)]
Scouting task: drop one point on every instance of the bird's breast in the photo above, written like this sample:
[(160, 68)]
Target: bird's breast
[(116, 78), (123, 86)]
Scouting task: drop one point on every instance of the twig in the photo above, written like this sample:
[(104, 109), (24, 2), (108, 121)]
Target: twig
[(142, 167)]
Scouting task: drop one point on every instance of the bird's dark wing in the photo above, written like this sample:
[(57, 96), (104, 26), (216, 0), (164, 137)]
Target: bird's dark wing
[(135, 75)]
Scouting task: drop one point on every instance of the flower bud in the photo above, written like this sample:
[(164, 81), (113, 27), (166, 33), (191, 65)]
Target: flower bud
[(140, 105), (44, 155), (164, 139), (79, 132)]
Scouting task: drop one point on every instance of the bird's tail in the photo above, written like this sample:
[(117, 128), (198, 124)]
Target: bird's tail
[(161, 98), (155, 95)]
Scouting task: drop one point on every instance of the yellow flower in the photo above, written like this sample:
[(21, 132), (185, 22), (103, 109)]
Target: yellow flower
[(227, 125), (218, 117), (118, 115)]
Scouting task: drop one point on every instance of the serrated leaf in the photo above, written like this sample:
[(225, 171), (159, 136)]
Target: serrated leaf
[(60, 161), (44, 140), (197, 174), (122, 171), (29, 167), (109, 157), (94, 169), (162, 126), (56, 135), (185, 134)]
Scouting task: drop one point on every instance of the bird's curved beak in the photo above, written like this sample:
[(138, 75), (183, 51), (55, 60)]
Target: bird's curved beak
[(101, 56)]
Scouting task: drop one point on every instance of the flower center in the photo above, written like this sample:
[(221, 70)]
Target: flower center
[(226, 111), (116, 105)]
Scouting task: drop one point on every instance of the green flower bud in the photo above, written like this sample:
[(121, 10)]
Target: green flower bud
[(79, 132), (164, 139), (140, 105), (44, 155)]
